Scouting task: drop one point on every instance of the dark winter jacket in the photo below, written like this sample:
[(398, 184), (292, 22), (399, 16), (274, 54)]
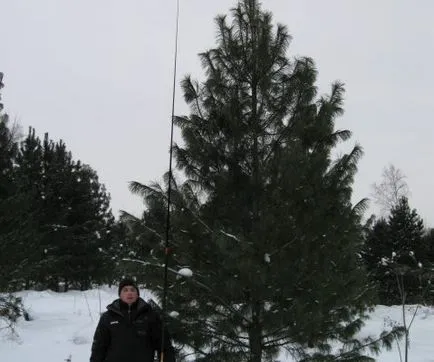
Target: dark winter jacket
[(129, 334)]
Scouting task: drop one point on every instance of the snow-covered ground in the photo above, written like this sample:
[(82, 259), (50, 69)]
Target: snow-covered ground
[(63, 326)]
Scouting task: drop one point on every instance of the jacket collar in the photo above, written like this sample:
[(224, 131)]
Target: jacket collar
[(117, 306)]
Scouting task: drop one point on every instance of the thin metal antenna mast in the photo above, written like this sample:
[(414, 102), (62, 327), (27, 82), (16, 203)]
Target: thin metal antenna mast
[(169, 191)]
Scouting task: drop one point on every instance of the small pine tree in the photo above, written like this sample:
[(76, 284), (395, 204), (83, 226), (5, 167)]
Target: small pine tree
[(8, 150), (90, 222), (17, 219), (79, 219), (59, 218), (11, 307)]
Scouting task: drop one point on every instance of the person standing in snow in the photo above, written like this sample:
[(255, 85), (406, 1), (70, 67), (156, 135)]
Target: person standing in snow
[(130, 330)]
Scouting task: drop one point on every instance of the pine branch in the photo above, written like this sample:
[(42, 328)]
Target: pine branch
[(213, 333), (370, 343), (274, 332), (289, 243), (277, 342), (125, 216)]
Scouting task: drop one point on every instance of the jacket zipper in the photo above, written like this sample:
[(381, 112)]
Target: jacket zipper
[(129, 313)]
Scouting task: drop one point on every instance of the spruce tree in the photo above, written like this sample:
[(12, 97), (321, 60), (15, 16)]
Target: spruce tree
[(265, 218), (397, 255), (406, 232)]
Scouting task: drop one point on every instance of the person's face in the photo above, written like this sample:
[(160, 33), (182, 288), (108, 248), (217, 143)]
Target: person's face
[(129, 294)]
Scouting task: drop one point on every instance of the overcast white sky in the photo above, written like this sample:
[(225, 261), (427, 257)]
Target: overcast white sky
[(98, 74)]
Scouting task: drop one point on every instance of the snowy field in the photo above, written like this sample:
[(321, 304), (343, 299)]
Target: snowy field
[(63, 326)]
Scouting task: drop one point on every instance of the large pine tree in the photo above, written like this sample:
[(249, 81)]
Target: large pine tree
[(265, 218)]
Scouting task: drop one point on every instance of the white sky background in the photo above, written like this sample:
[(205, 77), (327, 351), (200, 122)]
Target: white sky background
[(98, 74)]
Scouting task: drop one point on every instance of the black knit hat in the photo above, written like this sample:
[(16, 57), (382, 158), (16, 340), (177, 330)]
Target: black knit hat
[(128, 282)]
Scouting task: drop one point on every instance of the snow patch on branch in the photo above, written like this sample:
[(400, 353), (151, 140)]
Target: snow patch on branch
[(185, 272), (229, 235)]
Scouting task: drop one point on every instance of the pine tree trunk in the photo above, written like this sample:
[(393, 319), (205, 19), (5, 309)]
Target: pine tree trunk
[(255, 333)]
